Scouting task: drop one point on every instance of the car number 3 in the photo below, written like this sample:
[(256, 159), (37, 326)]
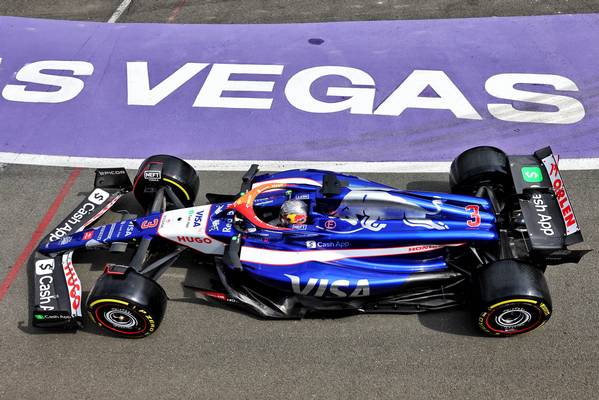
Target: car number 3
[(474, 220)]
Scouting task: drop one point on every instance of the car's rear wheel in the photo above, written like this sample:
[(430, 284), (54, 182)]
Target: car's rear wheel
[(480, 166), (510, 298), (165, 170), (128, 305)]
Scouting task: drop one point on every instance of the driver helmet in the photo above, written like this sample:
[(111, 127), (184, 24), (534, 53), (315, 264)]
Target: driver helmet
[(293, 212)]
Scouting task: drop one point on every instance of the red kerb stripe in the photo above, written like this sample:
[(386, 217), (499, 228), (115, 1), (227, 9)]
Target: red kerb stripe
[(38, 233), (175, 11)]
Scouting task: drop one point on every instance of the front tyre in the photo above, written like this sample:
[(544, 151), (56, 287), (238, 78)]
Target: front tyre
[(165, 171), (510, 298), (128, 305)]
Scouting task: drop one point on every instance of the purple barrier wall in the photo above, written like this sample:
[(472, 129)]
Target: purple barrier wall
[(395, 90)]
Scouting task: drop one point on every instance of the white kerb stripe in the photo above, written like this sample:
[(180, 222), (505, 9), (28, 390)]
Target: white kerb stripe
[(119, 11), (281, 257), (267, 165)]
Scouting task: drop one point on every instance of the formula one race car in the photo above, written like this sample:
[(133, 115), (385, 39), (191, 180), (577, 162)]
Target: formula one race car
[(364, 247)]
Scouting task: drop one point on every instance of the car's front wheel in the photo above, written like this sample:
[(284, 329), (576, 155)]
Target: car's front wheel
[(128, 305), (166, 171)]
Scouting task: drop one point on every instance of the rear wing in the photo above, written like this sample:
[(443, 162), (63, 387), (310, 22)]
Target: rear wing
[(546, 208)]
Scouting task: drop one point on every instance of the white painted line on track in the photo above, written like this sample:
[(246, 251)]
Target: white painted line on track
[(119, 11), (267, 165)]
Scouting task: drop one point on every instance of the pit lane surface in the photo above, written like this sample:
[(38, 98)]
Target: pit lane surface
[(202, 351)]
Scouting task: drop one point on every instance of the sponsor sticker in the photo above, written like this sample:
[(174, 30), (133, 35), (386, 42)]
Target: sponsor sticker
[(73, 284), (191, 239), (189, 218), (129, 229), (112, 172), (299, 227), (561, 195), (88, 235), (44, 267), (198, 218), (330, 224), (532, 174), (110, 232), (215, 225), (152, 176), (190, 226), (311, 244), (45, 285), (544, 220), (228, 227), (219, 209), (320, 287), (426, 247), (101, 232), (73, 220), (98, 196)]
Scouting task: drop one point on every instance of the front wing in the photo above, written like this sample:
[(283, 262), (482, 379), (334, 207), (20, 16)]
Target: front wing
[(56, 286)]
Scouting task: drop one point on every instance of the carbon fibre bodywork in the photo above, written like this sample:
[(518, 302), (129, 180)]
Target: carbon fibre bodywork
[(365, 246), (365, 241)]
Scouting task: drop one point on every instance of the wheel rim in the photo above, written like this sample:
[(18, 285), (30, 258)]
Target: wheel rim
[(514, 317), (121, 319)]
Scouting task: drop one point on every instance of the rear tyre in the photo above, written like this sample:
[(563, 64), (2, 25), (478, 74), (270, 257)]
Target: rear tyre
[(129, 305), (510, 298), (480, 166), (163, 170)]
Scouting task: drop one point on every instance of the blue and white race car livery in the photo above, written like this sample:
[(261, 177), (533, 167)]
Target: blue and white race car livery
[(364, 246)]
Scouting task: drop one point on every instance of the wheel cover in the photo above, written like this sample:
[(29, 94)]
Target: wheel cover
[(514, 316), (121, 318)]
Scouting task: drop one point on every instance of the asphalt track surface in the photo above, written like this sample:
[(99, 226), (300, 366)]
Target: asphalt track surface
[(210, 352), (282, 11), (202, 351)]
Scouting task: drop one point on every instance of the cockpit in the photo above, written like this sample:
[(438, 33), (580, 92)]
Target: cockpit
[(276, 206)]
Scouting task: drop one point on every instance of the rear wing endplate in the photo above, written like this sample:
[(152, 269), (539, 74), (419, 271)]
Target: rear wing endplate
[(573, 234)]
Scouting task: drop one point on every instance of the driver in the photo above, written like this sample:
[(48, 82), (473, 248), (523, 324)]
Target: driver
[(293, 212)]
